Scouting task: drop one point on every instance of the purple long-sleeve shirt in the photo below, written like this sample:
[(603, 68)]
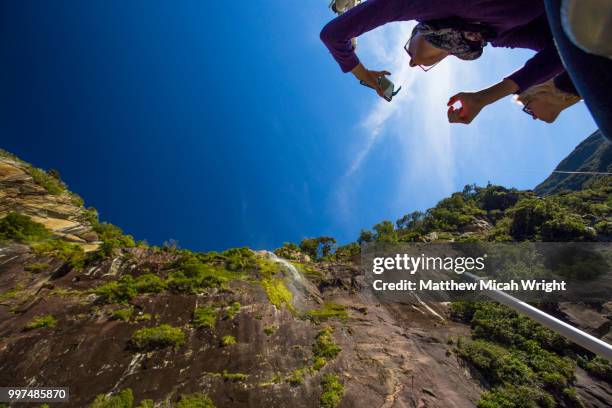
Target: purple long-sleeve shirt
[(517, 24)]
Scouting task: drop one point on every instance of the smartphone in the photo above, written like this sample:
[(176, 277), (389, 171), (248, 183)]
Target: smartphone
[(387, 86)]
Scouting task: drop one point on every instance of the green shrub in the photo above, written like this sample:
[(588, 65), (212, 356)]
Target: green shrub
[(289, 251), (276, 379), (123, 314), (497, 198), (318, 363), (238, 259), (495, 322), (112, 237), (572, 395), (318, 248), (549, 218), (228, 340), (52, 184), (234, 376), (528, 216), (232, 310), (108, 232), (70, 253), (598, 366), (510, 396), (161, 336), (518, 364), (520, 374), (76, 199), (330, 310), (10, 294), (191, 275), (149, 283), (269, 330), (333, 391), (234, 260), (365, 236), (126, 288), (196, 400), (296, 378), (496, 362), (204, 316), (119, 291), (36, 267), (324, 345), (451, 213), (124, 399), (346, 253), (21, 228), (41, 321), (564, 227), (179, 283)]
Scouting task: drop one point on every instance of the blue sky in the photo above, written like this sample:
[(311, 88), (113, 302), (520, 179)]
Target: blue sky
[(224, 124)]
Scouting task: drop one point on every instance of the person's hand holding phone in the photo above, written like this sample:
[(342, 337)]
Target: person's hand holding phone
[(370, 78), (374, 81)]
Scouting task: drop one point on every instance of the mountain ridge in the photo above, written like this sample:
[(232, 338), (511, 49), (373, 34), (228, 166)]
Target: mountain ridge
[(594, 154)]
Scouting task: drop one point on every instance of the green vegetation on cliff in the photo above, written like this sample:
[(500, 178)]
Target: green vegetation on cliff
[(333, 391), (124, 314), (125, 399), (520, 358), (21, 228), (491, 213), (196, 400), (161, 336), (597, 366), (324, 345), (274, 285), (525, 364), (68, 252), (41, 322), (330, 310), (196, 271), (204, 316)]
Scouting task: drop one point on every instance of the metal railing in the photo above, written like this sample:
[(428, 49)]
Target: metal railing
[(591, 343)]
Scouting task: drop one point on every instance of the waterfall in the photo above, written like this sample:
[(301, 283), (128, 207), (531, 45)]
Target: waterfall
[(288, 266)]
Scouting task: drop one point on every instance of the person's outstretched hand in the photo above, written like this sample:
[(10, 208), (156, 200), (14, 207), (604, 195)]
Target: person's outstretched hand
[(471, 105)]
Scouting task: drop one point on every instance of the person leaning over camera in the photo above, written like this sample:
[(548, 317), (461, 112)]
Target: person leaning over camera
[(451, 27)]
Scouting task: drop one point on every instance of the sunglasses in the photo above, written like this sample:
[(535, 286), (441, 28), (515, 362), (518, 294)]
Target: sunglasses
[(423, 67), (528, 111)]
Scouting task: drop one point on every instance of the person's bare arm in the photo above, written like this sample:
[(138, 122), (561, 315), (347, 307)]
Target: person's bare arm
[(473, 102)]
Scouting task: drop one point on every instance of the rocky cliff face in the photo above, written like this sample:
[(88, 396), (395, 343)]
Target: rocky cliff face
[(389, 357), (22, 190), (247, 329), (386, 356)]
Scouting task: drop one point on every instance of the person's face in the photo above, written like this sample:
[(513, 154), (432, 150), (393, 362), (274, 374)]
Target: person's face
[(421, 52), (543, 110)]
